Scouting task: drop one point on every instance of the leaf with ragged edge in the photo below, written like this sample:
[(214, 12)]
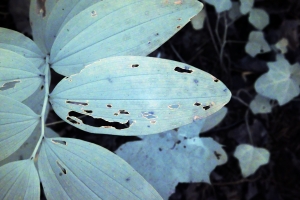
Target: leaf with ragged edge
[(75, 169), (259, 18), (251, 158), (257, 44), (25, 151), (220, 5), (19, 180), (19, 78), (137, 96), (278, 83), (168, 158), (260, 104), (246, 6), (17, 122), (20, 44), (136, 27)]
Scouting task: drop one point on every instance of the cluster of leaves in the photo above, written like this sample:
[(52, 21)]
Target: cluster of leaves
[(107, 81)]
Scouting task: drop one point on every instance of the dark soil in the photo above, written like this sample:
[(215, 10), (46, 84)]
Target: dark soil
[(279, 131)]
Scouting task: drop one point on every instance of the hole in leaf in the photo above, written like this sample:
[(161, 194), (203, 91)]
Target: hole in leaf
[(40, 7), (93, 13), (153, 122), (64, 171), (99, 122), (135, 65), (72, 120), (181, 70), (216, 80), (9, 85), (109, 105), (149, 115), (197, 104), (178, 27), (174, 106), (77, 103), (124, 112), (42, 87), (206, 107), (217, 155), (59, 142), (88, 111)]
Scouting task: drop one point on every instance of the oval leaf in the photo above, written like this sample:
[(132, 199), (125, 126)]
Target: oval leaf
[(259, 18), (105, 29), (164, 159), (251, 158), (137, 96), (17, 122), (76, 169), (20, 44), (246, 6), (19, 180), (19, 78)]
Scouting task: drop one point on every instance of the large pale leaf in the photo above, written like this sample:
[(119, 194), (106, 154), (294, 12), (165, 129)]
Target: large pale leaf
[(19, 180), (257, 44), (259, 18), (111, 28), (19, 78), (278, 83), (168, 158), (251, 158), (74, 169), (137, 96), (26, 149), (18, 43), (220, 5), (17, 122)]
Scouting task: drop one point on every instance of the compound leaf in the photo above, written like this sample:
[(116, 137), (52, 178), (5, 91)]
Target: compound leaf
[(19, 180), (26, 149), (168, 158), (105, 29), (278, 83), (259, 18), (220, 5), (20, 44), (260, 104), (19, 78), (251, 158), (17, 122), (137, 96), (257, 44), (246, 6), (74, 169)]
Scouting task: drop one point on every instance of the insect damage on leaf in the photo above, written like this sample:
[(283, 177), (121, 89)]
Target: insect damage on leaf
[(9, 85), (40, 7), (64, 171), (59, 142)]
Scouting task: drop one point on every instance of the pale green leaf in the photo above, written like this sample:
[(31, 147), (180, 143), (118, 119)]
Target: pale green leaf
[(278, 83), (246, 6), (220, 5), (112, 28), (74, 169), (257, 44), (167, 158), (19, 180), (198, 20), (137, 96), (26, 149), (282, 45), (259, 18), (260, 104), (20, 44), (251, 158), (19, 78), (17, 122)]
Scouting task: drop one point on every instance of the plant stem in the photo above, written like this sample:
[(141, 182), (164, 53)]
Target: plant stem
[(46, 72)]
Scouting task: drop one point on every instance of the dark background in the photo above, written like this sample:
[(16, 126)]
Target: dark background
[(279, 131)]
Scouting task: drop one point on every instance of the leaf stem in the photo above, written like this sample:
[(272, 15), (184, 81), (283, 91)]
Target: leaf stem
[(43, 117)]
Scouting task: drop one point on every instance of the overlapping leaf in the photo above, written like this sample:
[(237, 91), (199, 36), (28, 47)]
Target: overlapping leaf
[(74, 169), (168, 158), (246, 6), (257, 44), (19, 180), (220, 5), (132, 27), (17, 122), (137, 96), (280, 82), (251, 158), (19, 77)]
